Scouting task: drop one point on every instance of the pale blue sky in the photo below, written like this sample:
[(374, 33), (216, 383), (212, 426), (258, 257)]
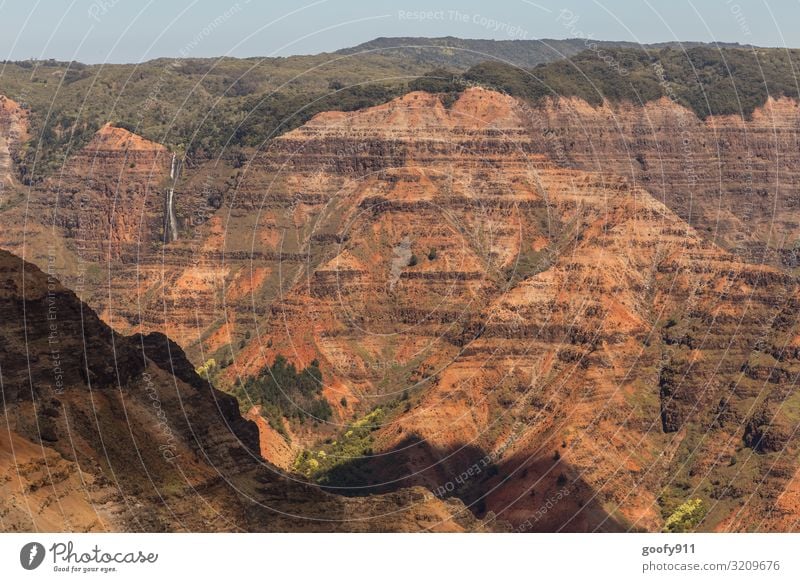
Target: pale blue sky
[(95, 31)]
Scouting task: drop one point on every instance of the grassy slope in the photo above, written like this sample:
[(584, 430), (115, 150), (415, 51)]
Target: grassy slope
[(214, 106), (197, 104), (462, 53), (707, 80)]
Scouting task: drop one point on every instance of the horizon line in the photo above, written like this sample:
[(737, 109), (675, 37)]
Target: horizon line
[(657, 44)]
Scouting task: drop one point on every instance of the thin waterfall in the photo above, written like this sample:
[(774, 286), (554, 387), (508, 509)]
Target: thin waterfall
[(171, 222)]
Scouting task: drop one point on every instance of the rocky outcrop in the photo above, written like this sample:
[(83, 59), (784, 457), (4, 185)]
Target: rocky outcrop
[(767, 430), (273, 445), (13, 132), (105, 432), (732, 179), (570, 327), (109, 197), (94, 402), (570, 298)]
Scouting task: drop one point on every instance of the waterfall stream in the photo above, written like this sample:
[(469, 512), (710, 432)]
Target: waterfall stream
[(171, 222)]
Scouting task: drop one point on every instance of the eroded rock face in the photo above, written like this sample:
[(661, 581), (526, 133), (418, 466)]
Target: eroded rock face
[(732, 179), (571, 327), (109, 198), (543, 281), (112, 433), (98, 405), (768, 430), (13, 131), (417, 213)]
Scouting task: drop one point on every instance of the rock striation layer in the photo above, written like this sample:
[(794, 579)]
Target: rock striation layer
[(593, 305), (118, 433)]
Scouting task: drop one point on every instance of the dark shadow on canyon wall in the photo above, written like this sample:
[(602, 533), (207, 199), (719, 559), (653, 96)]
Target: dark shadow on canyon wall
[(536, 494)]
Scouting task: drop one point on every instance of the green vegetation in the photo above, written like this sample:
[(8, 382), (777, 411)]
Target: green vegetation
[(446, 83), (686, 517), (707, 80), (348, 460), (460, 53), (216, 107), (275, 114), (282, 391), (212, 107), (207, 367), (341, 462)]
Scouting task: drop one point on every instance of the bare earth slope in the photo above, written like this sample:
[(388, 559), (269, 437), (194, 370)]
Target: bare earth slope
[(104, 432), (539, 292), (570, 327)]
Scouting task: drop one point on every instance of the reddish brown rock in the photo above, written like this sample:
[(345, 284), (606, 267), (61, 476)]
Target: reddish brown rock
[(571, 292), (13, 132), (105, 432)]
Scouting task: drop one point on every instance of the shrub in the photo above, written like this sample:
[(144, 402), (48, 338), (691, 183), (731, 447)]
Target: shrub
[(341, 461), (206, 368), (686, 517)]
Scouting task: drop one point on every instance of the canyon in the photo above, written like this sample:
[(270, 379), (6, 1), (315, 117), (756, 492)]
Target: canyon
[(510, 303), (106, 432)]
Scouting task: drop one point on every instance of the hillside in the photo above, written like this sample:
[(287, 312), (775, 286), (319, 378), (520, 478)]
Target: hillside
[(579, 278), (112, 433), (569, 327), (213, 107), (462, 53), (707, 80)]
